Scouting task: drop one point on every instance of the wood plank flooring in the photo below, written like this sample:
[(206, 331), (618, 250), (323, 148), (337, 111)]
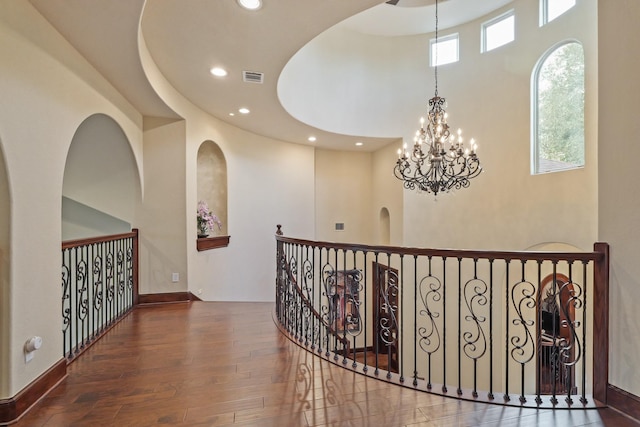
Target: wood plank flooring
[(226, 364)]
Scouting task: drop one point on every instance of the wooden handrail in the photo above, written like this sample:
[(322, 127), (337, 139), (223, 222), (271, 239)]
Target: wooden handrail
[(98, 239), (451, 253)]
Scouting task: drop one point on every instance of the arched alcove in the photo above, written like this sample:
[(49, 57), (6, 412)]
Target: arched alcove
[(384, 225), (212, 182), (101, 182), (5, 253)]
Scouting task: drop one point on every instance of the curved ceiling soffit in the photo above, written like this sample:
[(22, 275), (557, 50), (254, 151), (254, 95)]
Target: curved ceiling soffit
[(155, 78), (365, 75), (176, 36), (352, 83), (105, 34)]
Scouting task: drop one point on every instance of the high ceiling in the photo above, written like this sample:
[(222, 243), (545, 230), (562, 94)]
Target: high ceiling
[(187, 38)]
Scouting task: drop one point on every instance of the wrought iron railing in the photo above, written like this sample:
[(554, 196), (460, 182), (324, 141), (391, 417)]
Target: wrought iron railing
[(515, 328), (99, 286)]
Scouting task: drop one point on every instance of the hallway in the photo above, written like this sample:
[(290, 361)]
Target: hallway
[(226, 364)]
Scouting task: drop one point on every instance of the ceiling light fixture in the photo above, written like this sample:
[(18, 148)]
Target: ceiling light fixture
[(243, 110), (250, 4), (359, 144), (430, 167), (218, 72), (312, 139)]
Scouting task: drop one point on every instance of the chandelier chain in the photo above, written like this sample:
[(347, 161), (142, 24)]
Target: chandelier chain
[(435, 63)]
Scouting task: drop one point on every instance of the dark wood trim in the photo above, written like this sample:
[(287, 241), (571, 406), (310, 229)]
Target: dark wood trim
[(206, 243), (82, 242), (623, 401), (13, 408), (601, 324), (166, 298), (136, 270), (453, 253)]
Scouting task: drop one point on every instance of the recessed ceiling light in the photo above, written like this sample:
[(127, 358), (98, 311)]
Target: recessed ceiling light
[(312, 138), (218, 72), (232, 114), (250, 4), (243, 110), (359, 144)]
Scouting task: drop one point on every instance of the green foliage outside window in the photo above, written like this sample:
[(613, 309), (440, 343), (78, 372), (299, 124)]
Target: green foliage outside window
[(560, 110)]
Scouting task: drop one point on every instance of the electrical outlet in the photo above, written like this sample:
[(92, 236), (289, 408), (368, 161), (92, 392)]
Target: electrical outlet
[(175, 277), (199, 291)]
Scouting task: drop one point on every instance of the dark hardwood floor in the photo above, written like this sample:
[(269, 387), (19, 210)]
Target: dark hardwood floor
[(223, 364)]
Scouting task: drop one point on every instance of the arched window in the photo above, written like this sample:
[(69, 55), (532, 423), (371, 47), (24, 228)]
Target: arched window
[(557, 125)]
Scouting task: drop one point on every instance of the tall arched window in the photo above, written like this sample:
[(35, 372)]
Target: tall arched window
[(557, 123)]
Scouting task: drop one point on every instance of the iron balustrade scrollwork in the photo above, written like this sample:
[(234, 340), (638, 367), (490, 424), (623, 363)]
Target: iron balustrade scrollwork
[(296, 311), (99, 286), (439, 314), (475, 340)]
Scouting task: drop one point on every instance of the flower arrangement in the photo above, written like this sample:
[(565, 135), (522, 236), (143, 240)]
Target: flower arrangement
[(206, 219)]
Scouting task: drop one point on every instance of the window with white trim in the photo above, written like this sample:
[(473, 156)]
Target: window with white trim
[(557, 123), (498, 31), (445, 51), (551, 9)]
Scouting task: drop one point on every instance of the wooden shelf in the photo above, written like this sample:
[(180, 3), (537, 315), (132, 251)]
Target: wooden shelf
[(206, 243)]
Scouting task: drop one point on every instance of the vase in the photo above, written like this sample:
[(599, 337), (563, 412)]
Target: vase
[(202, 236)]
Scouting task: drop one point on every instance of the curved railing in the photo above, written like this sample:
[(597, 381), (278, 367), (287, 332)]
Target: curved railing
[(515, 328)]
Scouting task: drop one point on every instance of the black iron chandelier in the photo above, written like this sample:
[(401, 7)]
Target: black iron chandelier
[(432, 167)]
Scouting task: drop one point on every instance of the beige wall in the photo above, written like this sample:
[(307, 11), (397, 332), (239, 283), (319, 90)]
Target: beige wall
[(269, 183), (343, 189), (5, 284), (489, 97), (48, 90), (387, 193), (619, 221), (161, 216)]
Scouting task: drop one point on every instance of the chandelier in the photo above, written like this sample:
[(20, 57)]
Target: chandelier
[(431, 166)]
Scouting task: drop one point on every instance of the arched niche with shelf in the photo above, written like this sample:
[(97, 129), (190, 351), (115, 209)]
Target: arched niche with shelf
[(212, 189)]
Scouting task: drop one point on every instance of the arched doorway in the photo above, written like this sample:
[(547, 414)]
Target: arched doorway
[(101, 184), (5, 265), (556, 333)]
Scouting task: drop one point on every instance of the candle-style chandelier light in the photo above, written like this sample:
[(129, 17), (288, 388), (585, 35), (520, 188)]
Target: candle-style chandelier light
[(431, 166)]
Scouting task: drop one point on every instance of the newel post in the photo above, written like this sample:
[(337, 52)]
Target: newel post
[(135, 261), (601, 323), (279, 284)]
